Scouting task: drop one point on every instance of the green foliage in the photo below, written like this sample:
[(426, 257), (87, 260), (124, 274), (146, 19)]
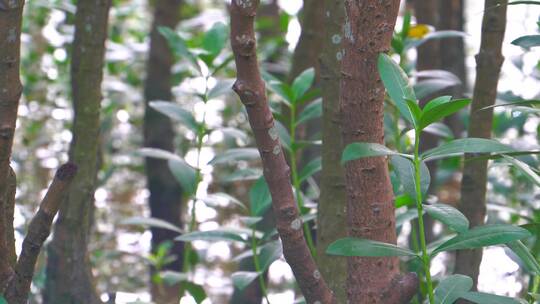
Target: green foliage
[(452, 288), (259, 197), (449, 216), (366, 248)]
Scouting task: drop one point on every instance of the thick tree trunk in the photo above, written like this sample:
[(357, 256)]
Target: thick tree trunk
[(370, 212), (165, 193), (473, 185), (331, 223), (69, 277), (251, 89)]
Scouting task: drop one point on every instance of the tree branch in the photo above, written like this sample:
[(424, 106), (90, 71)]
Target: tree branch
[(251, 89), (38, 231)]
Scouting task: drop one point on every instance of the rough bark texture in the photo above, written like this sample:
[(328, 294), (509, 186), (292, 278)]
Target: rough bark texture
[(165, 193), (331, 222), (370, 211), (39, 229), (69, 277), (251, 89), (473, 185), (10, 94), (452, 53)]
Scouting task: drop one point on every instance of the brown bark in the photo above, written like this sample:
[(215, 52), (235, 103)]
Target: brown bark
[(10, 94), (165, 193), (69, 276), (38, 231), (251, 90), (473, 185), (370, 212), (331, 222)]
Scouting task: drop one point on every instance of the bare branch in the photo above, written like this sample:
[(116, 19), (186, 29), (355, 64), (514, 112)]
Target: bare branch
[(251, 89)]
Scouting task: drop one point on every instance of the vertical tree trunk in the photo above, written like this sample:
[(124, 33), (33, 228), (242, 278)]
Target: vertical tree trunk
[(10, 94), (370, 212), (69, 277), (331, 223), (251, 89), (165, 193), (473, 185)]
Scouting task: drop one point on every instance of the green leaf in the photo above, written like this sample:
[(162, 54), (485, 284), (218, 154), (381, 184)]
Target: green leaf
[(439, 129), (449, 216), (216, 38), (406, 217), (158, 153), (282, 90), (284, 135), (176, 113), (242, 279), (529, 261), (151, 222), (403, 200), (311, 111), (235, 133), (302, 83), (314, 166), (436, 102), (259, 197), (440, 111), (3, 300), (527, 41), (452, 288), (483, 236), (269, 253), (362, 150), (222, 87), (196, 291), (179, 46), (243, 175), (215, 200), (434, 35), (234, 155), (185, 174), (397, 84), (366, 248), (525, 169), (524, 2), (415, 110), (222, 234), (404, 169), (433, 81), (466, 145), (173, 277), (486, 298)]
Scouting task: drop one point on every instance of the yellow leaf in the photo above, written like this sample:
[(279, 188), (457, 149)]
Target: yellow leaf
[(419, 31)]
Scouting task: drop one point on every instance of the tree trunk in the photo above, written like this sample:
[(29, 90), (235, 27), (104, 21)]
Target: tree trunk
[(331, 222), (370, 212), (69, 277), (473, 185), (251, 89), (165, 193)]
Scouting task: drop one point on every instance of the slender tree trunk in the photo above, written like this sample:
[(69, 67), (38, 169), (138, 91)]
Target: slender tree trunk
[(165, 193), (452, 55), (331, 224), (473, 185), (370, 212), (251, 89), (426, 12), (69, 277)]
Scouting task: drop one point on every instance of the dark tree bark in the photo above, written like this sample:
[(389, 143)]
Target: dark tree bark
[(251, 89), (165, 193), (473, 185), (69, 277), (331, 222), (370, 212)]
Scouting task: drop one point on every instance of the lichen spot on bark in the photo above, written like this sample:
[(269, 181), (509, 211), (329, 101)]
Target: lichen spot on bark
[(336, 39), (340, 54), (12, 35), (347, 30), (296, 224), (244, 3), (273, 133), (317, 274), (277, 149)]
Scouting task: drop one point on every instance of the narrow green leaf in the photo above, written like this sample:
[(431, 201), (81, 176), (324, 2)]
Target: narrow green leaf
[(215, 39), (452, 288), (151, 222), (529, 261), (282, 90), (3, 300), (243, 175), (179, 46), (406, 217), (449, 216), (415, 111), (525, 169), (439, 129), (435, 35), (466, 145), (362, 150), (436, 102), (527, 41), (217, 199), (234, 155), (222, 234), (404, 169), (259, 197), (311, 111), (310, 168), (524, 2), (158, 153), (526, 103), (483, 236), (440, 111), (196, 291), (222, 87), (242, 279), (235, 133), (366, 248), (269, 253), (486, 298), (185, 174), (403, 200), (397, 84), (302, 83), (176, 113), (284, 135)]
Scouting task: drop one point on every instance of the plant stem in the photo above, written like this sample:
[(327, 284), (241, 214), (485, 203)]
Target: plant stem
[(257, 264), (419, 207), (296, 181)]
